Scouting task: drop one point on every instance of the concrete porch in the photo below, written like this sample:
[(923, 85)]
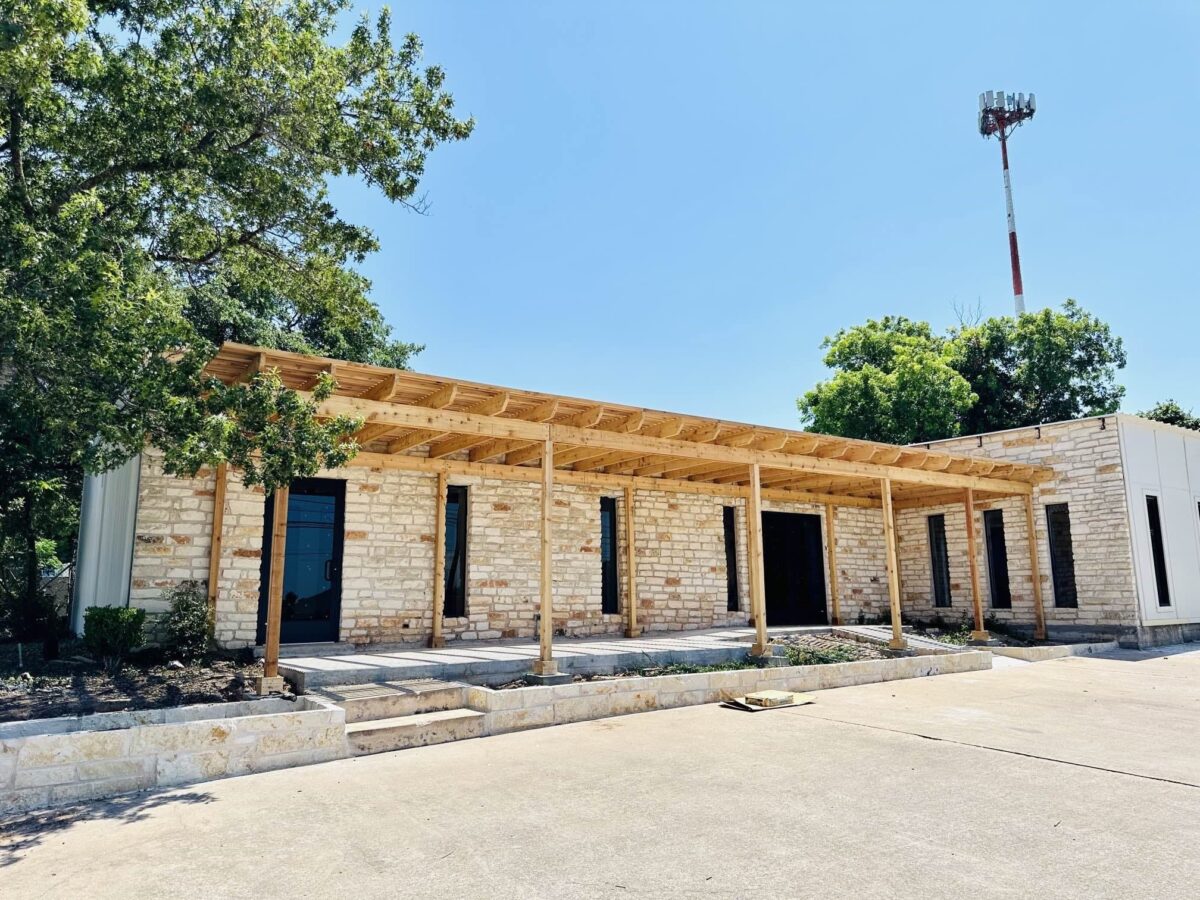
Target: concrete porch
[(489, 661)]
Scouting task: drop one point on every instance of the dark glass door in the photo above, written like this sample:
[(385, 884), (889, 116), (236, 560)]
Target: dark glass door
[(312, 564), (794, 569)]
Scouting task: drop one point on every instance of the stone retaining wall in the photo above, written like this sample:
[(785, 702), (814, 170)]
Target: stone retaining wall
[(49, 762), (535, 707)]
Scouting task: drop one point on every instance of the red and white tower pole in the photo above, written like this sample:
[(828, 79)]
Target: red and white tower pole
[(999, 115), (1018, 288)]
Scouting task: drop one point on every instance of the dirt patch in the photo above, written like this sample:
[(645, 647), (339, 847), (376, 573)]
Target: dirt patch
[(823, 649), (77, 686)]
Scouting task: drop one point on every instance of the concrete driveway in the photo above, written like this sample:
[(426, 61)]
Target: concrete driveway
[(1073, 778)]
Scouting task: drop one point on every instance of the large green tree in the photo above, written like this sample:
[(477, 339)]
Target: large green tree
[(896, 380), (164, 172)]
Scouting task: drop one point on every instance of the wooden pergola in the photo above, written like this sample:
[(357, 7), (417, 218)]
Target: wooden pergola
[(479, 429)]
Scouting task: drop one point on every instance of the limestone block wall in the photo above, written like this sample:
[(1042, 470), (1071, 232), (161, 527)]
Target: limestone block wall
[(1086, 457), (171, 537), (387, 571), (49, 762)]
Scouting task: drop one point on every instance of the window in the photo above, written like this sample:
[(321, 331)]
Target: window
[(731, 572), (456, 551), (1158, 551), (997, 557), (939, 560), (1062, 555), (608, 555)]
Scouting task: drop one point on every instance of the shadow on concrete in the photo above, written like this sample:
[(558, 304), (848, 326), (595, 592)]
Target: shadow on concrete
[(22, 834), (1151, 653)]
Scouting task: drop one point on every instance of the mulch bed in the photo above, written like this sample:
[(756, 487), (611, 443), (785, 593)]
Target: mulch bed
[(76, 686)]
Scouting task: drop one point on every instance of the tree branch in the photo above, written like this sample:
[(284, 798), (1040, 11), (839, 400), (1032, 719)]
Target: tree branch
[(16, 160)]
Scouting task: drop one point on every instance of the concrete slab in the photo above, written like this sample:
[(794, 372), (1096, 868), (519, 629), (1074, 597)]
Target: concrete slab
[(1070, 778)]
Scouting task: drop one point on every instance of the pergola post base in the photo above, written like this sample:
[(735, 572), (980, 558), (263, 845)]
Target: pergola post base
[(633, 632), (545, 679), (898, 644), (265, 685), (437, 641), (980, 637)]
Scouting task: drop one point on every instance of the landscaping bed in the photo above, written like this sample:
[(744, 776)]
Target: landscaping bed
[(799, 649), (76, 685)]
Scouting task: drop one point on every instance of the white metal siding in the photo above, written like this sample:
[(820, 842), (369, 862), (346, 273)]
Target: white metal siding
[(1164, 461)]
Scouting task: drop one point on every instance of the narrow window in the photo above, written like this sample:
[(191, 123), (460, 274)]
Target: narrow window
[(997, 555), (1062, 554), (1158, 551), (608, 555), (731, 572), (939, 560), (456, 551)]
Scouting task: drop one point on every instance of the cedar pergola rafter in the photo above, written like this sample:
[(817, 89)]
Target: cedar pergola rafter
[(510, 430)]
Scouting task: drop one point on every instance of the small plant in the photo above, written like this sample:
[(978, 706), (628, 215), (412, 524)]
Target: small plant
[(186, 623), (111, 633)]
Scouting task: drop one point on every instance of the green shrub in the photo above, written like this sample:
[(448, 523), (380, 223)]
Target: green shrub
[(111, 633), (818, 656), (187, 622)]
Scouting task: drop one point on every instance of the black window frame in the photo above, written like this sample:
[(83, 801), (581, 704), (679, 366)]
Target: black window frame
[(997, 557), (1062, 555), (610, 603), (939, 562), (1158, 550), (455, 604), (732, 588)]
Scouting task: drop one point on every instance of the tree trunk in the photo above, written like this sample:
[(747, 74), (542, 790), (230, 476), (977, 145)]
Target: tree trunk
[(40, 615)]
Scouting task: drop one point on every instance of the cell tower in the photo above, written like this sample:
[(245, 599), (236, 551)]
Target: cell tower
[(999, 114)]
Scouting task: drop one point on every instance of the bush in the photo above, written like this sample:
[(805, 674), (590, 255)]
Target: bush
[(818, 656), (111, 633), (187, 622)]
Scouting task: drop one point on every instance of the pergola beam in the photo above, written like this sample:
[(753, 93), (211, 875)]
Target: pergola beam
[(519, 429)]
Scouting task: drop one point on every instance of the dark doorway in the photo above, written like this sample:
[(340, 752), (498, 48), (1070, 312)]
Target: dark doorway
[(312, 564), (794, 565)]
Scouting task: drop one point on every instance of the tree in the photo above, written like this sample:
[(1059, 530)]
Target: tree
[(896, 381), (1172, 413), (1046, 366), (893, 383), (164, 169)]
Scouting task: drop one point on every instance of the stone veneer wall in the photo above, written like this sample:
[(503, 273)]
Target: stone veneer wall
[(1087, 460), (387, 568)]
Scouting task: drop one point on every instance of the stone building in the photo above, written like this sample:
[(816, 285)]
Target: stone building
[(448, 526), (1118, 534)]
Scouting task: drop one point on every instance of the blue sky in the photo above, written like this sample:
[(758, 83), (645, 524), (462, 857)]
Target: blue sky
[(669, 204)]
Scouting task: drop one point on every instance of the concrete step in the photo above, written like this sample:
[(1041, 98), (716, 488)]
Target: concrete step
[(422, 730), (391, 699)]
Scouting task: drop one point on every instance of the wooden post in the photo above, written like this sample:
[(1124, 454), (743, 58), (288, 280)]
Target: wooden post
[(980, 634), (271, 680), (439, 563), (631, 630), (754, 543), (214, 548), (898, 641), (831, 562), (1039, 613), (545, 664)]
